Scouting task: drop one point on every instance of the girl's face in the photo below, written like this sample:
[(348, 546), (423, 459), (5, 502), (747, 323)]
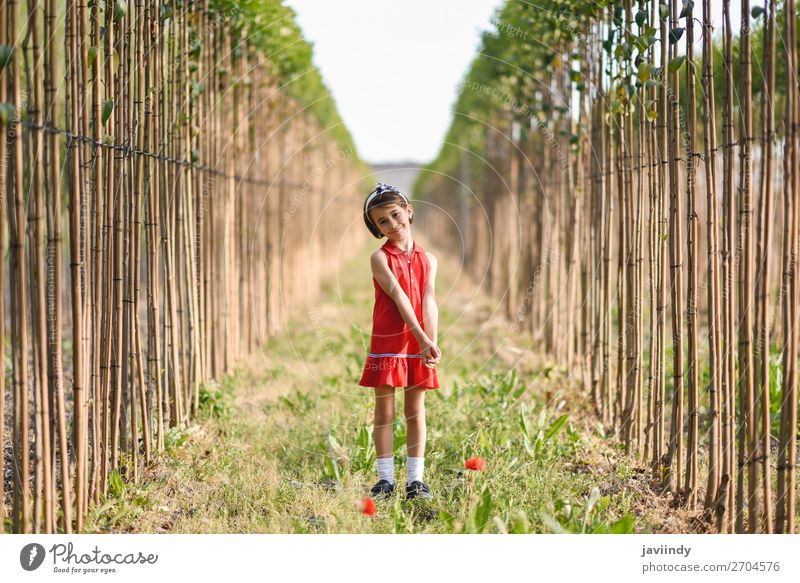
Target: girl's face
[(393, 220)]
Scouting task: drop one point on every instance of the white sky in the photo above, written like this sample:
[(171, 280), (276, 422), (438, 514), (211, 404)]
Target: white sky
[(394, 67)]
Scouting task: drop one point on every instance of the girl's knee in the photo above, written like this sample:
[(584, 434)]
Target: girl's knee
[(384, 411), (414, 411), (384, 415), (414, 404)]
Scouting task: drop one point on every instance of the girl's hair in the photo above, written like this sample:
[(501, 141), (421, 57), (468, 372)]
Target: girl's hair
[(383, 198)]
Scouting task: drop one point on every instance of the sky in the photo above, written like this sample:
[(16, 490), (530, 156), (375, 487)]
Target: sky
[(394, 68)]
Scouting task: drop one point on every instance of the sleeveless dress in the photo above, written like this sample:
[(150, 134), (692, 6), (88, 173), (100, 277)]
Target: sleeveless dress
[(394, 355)]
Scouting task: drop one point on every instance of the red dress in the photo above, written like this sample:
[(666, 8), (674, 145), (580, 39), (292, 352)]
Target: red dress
[(394, 353)]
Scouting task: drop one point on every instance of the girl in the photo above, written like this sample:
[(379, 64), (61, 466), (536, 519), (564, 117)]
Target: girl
[(403, 349)]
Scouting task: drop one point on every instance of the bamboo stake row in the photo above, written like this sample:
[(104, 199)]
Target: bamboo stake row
[(161, 226), (603, 131)]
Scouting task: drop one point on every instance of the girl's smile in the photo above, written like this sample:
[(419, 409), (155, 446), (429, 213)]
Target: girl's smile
[(393, 221)]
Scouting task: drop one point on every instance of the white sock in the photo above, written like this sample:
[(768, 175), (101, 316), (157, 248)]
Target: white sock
[(416, 465), (386, 468)]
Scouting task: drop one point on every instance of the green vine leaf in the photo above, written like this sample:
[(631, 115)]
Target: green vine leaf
[(687, 9), (618, 10), (92, 57), (120, 9), (108, 107), (675, 35), (676, 63)]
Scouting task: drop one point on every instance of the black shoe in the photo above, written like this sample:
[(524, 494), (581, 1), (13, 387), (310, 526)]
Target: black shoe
[(383, 489), (417, 489)]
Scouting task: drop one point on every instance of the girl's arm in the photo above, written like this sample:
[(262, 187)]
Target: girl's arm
[(430, 311), (388, 282)]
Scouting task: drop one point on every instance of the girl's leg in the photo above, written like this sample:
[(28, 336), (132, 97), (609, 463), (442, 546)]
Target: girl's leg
[(414, 409), (384, 421)]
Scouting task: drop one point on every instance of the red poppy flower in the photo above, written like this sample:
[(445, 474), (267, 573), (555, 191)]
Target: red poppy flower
[(475, 463), (368, 506)]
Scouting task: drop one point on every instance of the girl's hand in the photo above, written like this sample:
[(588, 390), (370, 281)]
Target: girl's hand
[(431, 355)]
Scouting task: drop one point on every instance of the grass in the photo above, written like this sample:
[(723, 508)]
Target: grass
[(284, 443)]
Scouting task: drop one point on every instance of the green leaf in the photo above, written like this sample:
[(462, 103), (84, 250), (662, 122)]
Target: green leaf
[(523, 424), (529, 447), (120, 9), (6, 55), (618, 10), (640, 42), (557, 425), (115, 484), (676, 63), (92, 57), (644, 72), (675, 35), (608, 44), (663, 11), (687, 8), (331, 463), (484, 510), (108, 107), (652, 115), (622, 526), (757, 11), (641, 16), (448, 519)]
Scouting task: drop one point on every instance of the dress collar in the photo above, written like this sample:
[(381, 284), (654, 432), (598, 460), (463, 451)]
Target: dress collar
[(395, 250)]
